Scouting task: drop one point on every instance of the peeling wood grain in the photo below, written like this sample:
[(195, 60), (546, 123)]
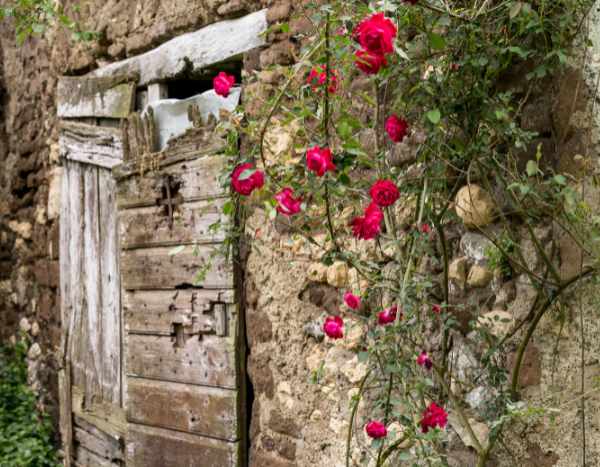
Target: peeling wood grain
[(100, 146), (94, 97), (110, 310), (209, 360), (156, 447), (155, 268), (85, 458), (92, 352), (151, 226), (64, 373), (155, 311), (184, 407), (100, 446), (105, 417), (193, 51), (197, 180)]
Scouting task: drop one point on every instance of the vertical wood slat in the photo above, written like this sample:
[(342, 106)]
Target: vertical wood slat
[(64, 374), (110, 324), (76, 275), (91, 240)]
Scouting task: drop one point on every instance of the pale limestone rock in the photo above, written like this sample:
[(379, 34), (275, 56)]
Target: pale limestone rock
[(354, 370), (40, 214), (498, 322), (54, 193), (474, 206), (314, 359), (279, 142), (35, 329), (337, 274), (24, 325), (479, 276), (480, 430), (316, 415), (457, 271), (396, 431), (338, 426), (474, 246), (34, 351), (317, 272), (23, 229)]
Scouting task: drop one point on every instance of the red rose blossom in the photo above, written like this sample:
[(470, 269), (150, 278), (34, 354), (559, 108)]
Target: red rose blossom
[(396, 128), (376, 429), (286, 203), (425, 228), (352, 300), (368, 226), (376, 34), (334, 327), (387, 316), (249, 183), (369, 62), (222, 83), (433, 416), (384, 193), (436, 308), (318, 77), (319, 160), (424, 360)]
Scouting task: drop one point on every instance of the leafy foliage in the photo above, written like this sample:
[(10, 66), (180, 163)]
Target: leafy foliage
[(25, 433)]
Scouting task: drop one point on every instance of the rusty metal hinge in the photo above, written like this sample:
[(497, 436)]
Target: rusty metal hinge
[(210, 319)]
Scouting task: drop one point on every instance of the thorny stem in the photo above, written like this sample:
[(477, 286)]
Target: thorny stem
[(387, 415), (361, 389)]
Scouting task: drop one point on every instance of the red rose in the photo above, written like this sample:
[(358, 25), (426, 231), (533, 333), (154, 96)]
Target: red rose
[(436, 308), (319, 160), (222, 83), (369, 62), (245, 179), (368, 226), (425, 228), (376, 34), (384, 193), (318, 77), (286, 203), (424, 360), (433, 416), (352, 300), (396, 128), (376, 429), (334, 327), (387, 316)]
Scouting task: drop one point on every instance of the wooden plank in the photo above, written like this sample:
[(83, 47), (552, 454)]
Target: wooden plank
[(76, 253), (196, 179), (156, 447), (158, 268), (92, 342), (110, 322), (152, 226), (183, 407), (99, 446), (104, 417), (207, 360), (193, 51), (85, 458), (94, 97), (64, 373), (155, 311), (96, 145)]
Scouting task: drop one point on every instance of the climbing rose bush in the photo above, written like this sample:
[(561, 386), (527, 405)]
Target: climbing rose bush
[(385, 116)]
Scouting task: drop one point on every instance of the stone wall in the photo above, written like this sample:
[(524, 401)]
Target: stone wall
[(302, 385)]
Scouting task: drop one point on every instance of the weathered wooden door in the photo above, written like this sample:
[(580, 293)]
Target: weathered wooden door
[(93, 424), (185, 395)]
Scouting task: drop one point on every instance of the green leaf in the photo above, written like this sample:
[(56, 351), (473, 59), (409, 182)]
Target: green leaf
[(363, 356), (436, 41), (532, 168), (176, 250), (228, 208), (246, 174), (560, 179), (434, 116), (515, 9)]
